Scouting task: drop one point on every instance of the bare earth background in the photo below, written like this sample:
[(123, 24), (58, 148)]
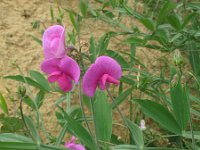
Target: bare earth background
[(17, 45)]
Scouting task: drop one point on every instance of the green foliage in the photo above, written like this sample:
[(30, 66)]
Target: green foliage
[(170, 26), (102, 117), (3, 104)]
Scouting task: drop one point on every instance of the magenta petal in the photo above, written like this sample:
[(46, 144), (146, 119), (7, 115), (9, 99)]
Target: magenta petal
[(70, 68), (54, 42), (107, 79), (109, 66), (54, 76), (75, 147), (103, 65), (90, 80), (65, 83), (50, 65)]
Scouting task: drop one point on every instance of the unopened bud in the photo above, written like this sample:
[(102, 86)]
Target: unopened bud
[(21, 91), (178, 59)]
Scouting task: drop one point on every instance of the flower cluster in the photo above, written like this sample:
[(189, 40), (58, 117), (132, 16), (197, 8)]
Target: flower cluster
[(59, 67), (63, 69)]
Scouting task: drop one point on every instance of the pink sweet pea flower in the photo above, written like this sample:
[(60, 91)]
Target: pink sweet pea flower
[(62, 70), (105, 70), (53, 42), (73, 146)]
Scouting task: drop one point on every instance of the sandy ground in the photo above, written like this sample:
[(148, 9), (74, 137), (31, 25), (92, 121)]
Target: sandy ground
[(17, 45)]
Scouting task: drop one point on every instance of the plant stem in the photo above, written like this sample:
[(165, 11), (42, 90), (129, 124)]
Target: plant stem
[(22, 115), (120, 113), (82, 108), (95, 136), (191, 128)]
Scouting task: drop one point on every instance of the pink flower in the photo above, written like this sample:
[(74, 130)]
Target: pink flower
[(72, 146), (62, 70), (54, 42), (105, 70)]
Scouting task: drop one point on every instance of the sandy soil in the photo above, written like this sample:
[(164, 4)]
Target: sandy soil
[(17, 45)]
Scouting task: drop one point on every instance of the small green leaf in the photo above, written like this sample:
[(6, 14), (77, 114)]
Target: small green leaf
[(36, 39), (102, 116), (136, 134), (52, 14), (134, 40), (160, 114), (83, 7), (26, 99), (165, 10), (3, 104), (103, 44), (40, 79), (92, 49), (73, 21), (32, 129), (39, 98)]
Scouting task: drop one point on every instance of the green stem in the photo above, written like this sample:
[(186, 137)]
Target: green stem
[(92, 111), (118, 110)]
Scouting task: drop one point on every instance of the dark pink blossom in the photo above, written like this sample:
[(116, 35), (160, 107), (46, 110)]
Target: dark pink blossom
[(73, 146), (54, 42), (62, 70), (105, 70)]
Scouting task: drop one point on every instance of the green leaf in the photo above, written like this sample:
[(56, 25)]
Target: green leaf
[(18, 146), (134, 40), (121, 98), (187, 19), (39, 98), (180, 104), (3, 104), (160, 114), (113, 3), (103, 44), (37, 39), (25, 80), (102, 117), (125, 147), (13, 137), (73, 21), (194, 58), (136, 134), (83, 7), (118, 58), (61, 135), (148, 23), (52, 14), (163, 148), (92, 49), (165, 10), (26, 99), (32, 129), (78, 130), (40, 79), (174, 21)]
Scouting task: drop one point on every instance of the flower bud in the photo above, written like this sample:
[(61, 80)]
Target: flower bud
[(178, 59), (21, 91)]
